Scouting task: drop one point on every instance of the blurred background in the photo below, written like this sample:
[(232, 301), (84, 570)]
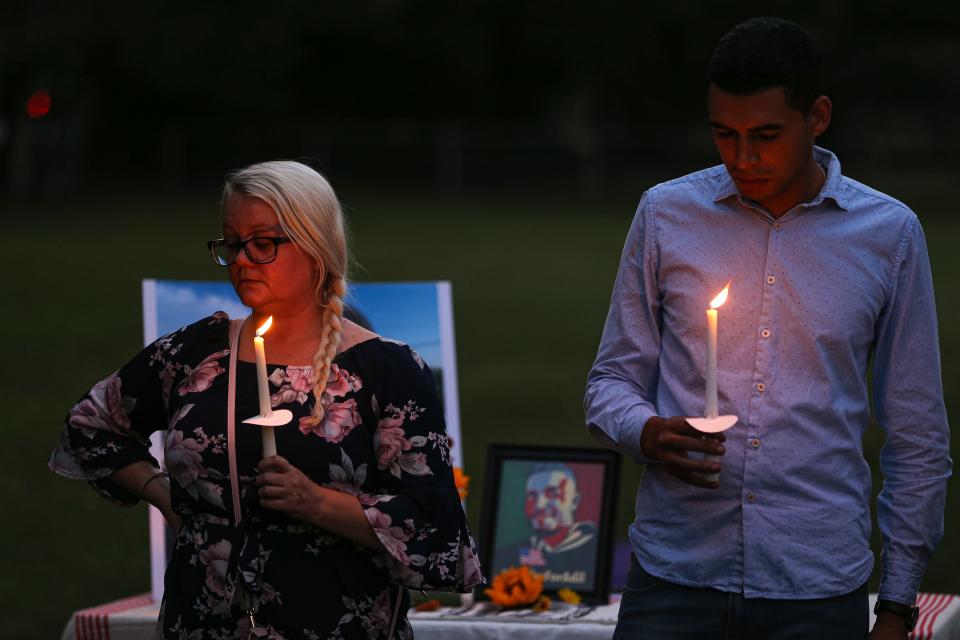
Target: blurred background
[(499, 145)]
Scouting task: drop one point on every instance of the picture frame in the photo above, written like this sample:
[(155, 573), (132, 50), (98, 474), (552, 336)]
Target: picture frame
[(551, 509)]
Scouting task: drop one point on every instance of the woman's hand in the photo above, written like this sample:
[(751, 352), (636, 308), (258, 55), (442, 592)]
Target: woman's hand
[(285, 488), (174, 520), (146, 482)]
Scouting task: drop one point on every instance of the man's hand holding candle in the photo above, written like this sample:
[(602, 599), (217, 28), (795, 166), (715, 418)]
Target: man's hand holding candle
[(668, 440)]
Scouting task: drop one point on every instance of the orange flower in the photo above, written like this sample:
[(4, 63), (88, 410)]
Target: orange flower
[(569, 596), (461, 481), (428, 605), (515, 587)]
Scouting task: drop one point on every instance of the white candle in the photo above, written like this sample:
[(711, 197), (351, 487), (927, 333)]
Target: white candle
[(710, 396), (263, 390), (712, 423), (710, 392)]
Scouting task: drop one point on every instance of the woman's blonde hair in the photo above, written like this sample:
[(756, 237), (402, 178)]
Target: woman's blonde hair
[(310, 215)]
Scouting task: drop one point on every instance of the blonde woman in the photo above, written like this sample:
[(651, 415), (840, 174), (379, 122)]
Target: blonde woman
[(316, 542)]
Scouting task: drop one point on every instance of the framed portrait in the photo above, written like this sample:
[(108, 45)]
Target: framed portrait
[(551, 509)]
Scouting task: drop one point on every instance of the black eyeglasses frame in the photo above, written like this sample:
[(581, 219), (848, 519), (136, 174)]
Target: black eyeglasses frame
[(242, 244)]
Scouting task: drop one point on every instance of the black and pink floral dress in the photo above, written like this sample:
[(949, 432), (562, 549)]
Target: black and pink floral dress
[(383, 440)]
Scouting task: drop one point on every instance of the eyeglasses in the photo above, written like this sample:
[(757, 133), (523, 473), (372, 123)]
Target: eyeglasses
[(259, 250)]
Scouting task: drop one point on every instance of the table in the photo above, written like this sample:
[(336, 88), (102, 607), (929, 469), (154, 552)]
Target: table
[(135, 618)]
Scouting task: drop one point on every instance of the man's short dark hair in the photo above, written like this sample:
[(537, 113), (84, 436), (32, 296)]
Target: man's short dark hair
[(550, 467), (763, 53)]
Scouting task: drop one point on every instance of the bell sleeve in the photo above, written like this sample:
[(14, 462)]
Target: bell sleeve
[(109, 427), (416, 511)]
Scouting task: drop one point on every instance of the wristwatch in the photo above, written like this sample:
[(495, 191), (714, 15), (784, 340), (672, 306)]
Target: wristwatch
[(909, 612)]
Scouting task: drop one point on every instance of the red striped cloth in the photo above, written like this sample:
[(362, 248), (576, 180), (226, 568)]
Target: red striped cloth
[(932, 605), (94, 623)]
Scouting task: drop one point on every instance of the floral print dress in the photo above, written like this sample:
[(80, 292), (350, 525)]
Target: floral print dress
[(382, 440)]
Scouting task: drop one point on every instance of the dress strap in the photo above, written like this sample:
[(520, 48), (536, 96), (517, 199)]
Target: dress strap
[(235, 326), (396, 612)]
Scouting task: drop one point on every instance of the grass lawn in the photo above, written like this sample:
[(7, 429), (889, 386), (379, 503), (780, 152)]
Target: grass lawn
[(531, 286)]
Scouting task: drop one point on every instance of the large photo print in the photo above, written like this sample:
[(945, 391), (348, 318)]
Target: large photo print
[(419, 314)]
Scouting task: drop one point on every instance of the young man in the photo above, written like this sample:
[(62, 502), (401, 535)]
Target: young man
[(825, 273)]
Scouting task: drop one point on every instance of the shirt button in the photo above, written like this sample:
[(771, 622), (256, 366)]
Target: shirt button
[(755, 443), (765, 333), (751, 498), (761, 387), (771, 279), (778, 226)]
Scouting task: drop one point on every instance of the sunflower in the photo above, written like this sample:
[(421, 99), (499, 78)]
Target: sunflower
[(516, 587)]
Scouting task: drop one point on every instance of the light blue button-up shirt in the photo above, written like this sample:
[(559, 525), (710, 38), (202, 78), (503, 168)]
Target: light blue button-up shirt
[(814, 294)]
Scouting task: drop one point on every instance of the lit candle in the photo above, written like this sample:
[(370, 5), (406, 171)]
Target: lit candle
[(711, 423), (710, 395), (263, 389)]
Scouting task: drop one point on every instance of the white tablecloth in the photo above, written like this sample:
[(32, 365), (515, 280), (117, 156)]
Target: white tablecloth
[(136, 618)]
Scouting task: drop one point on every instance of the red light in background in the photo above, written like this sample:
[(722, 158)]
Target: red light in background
[(38, 105)]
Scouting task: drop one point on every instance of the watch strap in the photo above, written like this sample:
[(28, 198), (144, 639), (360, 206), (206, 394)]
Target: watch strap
[(909, 612)]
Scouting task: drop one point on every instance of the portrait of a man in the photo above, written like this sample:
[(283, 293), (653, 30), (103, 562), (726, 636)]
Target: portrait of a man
[(548, 521)]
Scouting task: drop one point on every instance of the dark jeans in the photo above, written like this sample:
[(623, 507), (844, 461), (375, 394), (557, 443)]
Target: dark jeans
[(652, 609)]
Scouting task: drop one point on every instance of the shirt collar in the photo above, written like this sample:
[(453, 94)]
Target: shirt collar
[(833, 188)]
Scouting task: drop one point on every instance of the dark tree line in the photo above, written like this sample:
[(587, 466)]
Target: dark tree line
[(176, 90)]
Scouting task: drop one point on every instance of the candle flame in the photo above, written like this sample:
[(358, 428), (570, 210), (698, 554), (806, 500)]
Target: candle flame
[(721, 297), (265, 326)]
